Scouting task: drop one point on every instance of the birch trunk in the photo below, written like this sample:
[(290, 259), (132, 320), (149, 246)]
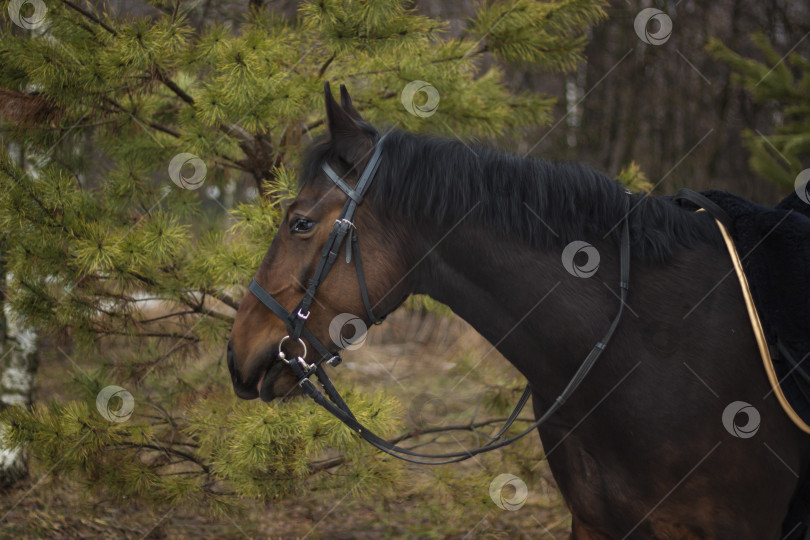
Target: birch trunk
[(17, 370), (18, 364)]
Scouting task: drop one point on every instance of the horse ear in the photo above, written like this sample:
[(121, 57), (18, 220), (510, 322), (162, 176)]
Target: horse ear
[(340, 122), (346, 103), (352, 140)]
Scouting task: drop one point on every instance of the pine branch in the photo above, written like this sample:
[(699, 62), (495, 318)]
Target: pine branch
[(326, 65), (317, 466), (90, 16), (227, 162), (154, 125), (213, 314), (171, 85), (483, 49), (170, 335), (169, 449), (159, 74), (28, 109), (167, 316), (173, 350), (225, 298)]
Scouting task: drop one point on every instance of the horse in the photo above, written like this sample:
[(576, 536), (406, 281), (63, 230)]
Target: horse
[(641, 449)]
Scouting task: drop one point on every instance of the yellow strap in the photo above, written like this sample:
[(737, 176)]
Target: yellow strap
[(758, 333)]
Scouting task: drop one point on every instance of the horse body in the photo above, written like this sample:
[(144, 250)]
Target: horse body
[(640, 450)]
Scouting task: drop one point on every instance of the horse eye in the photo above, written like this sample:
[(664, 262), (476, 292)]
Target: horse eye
[(301, 225)]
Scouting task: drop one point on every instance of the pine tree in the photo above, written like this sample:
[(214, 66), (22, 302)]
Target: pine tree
[(108, 237), (779, 156)]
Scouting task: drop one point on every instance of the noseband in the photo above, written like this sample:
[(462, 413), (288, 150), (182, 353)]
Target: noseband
[(295, 321)]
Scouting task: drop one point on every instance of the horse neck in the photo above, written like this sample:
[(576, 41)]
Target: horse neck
[(521, 298)]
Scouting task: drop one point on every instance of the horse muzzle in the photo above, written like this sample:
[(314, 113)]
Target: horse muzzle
[(271, 379)]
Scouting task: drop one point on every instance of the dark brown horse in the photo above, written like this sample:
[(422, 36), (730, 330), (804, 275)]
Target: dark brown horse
[(640, 450)]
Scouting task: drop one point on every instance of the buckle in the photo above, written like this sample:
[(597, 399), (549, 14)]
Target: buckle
[(303, 316), (304, 366), (349, 223)]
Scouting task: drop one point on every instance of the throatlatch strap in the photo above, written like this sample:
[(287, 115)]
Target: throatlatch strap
[(362, 279)]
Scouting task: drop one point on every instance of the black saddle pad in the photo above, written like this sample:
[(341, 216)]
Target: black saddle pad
[(774, 246)]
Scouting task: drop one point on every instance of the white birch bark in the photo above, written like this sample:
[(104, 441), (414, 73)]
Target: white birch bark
[(18, 364), (17, 369)]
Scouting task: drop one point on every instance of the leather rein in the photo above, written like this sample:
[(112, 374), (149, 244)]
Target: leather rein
[(295, 321)]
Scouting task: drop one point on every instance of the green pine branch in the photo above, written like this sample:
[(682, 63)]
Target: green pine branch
[(785, 82)]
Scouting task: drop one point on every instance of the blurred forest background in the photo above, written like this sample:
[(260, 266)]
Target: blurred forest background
[(656, 104), (113, 276)]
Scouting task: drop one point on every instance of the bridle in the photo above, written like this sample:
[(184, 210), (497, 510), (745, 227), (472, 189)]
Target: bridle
[(295, 321)]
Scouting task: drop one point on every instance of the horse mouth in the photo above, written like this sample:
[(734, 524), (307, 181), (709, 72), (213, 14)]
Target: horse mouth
[(260, 384), (267, 379)]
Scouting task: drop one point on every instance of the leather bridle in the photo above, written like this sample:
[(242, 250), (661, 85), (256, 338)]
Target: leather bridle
[(295, 321)]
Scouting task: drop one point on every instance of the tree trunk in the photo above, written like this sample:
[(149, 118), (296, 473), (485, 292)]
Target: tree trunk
[(17, 370), (18, 364)]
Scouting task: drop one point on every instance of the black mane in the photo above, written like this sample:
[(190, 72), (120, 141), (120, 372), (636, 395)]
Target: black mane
[(424, 178)]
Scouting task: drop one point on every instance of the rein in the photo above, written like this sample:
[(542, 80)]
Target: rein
[(295, 321)]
